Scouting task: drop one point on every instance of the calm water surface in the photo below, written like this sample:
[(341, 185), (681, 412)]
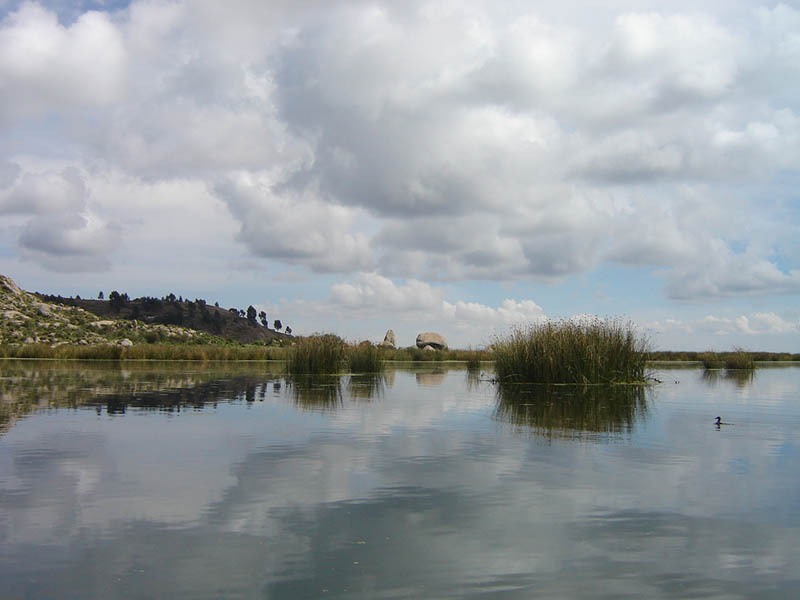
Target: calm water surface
[(195, 481)]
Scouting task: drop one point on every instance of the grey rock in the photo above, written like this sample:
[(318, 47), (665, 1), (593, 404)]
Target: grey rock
[(9, 286), (14, 315), (44, 310), (388, 340), (126, 343), (435, 340)]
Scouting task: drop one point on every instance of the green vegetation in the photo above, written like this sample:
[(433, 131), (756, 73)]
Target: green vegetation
[(317, 355), (738, 359), (711, 360), (585, 351), (687, 356), (414, 354), (365, 358), (145, 352), (473, 363)]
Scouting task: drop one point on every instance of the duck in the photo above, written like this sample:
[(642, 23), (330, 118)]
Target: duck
[(718, 421)]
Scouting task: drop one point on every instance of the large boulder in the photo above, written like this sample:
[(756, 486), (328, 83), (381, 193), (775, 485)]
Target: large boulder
[(388, 340), (9, 286), (436, 341)]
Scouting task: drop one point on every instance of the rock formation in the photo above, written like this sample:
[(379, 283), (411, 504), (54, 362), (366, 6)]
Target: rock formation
[(434, 340), (388, 340)]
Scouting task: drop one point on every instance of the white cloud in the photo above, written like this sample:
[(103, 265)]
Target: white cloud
[(425, 141), (59, 230), (297, 229), (754, 324), (720, 272), (46, 67), (42, 193), (69, 242), (373, 303)]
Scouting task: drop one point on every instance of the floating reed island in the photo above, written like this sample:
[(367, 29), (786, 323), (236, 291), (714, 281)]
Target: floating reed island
[(573, 351)]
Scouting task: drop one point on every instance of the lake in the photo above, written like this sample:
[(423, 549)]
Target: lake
[(178, 480)]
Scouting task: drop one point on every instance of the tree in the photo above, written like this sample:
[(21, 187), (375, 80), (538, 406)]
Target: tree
[(277, 325), (288, 330), (263, 318), (251, 313), (116, 300), (100, 296)]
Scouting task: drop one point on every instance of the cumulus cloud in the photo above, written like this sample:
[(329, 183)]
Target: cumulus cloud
[(759, 323), (42, 193), (45, 66), (59, 231), (722, 272), (298, 229), (424, 141), (69, 242), (411, 307)]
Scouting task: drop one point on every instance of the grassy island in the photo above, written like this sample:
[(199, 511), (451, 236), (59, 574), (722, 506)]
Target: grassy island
[(583, 351)]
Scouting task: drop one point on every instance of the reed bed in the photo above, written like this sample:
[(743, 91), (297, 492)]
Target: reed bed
[(101, 352), (572, 351), (473, 363), (711, 360), (738, 359), (145, 352), (414, 354), (684, 356), (365, 358), (317, 355)]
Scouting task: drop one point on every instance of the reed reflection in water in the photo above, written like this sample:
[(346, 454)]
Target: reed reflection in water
[(572, 410), (741, 378), (326, 393), (366, 386)]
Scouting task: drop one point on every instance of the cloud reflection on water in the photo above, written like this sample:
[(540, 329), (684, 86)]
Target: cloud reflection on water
[(378, 499)]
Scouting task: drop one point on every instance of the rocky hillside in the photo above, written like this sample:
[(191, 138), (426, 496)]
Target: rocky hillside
[(27, 318)]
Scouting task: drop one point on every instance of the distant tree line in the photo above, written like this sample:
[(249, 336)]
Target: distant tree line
[(172, 309)]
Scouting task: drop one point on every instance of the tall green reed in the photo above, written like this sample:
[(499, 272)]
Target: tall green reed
[(590, 350)]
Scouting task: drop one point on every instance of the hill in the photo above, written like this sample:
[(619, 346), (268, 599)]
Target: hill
[(27, 317)]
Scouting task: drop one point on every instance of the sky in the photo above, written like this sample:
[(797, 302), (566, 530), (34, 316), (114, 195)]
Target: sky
[(461, 167)]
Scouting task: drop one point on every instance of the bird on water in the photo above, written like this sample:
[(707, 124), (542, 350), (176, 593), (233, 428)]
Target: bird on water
[(718, 421)]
